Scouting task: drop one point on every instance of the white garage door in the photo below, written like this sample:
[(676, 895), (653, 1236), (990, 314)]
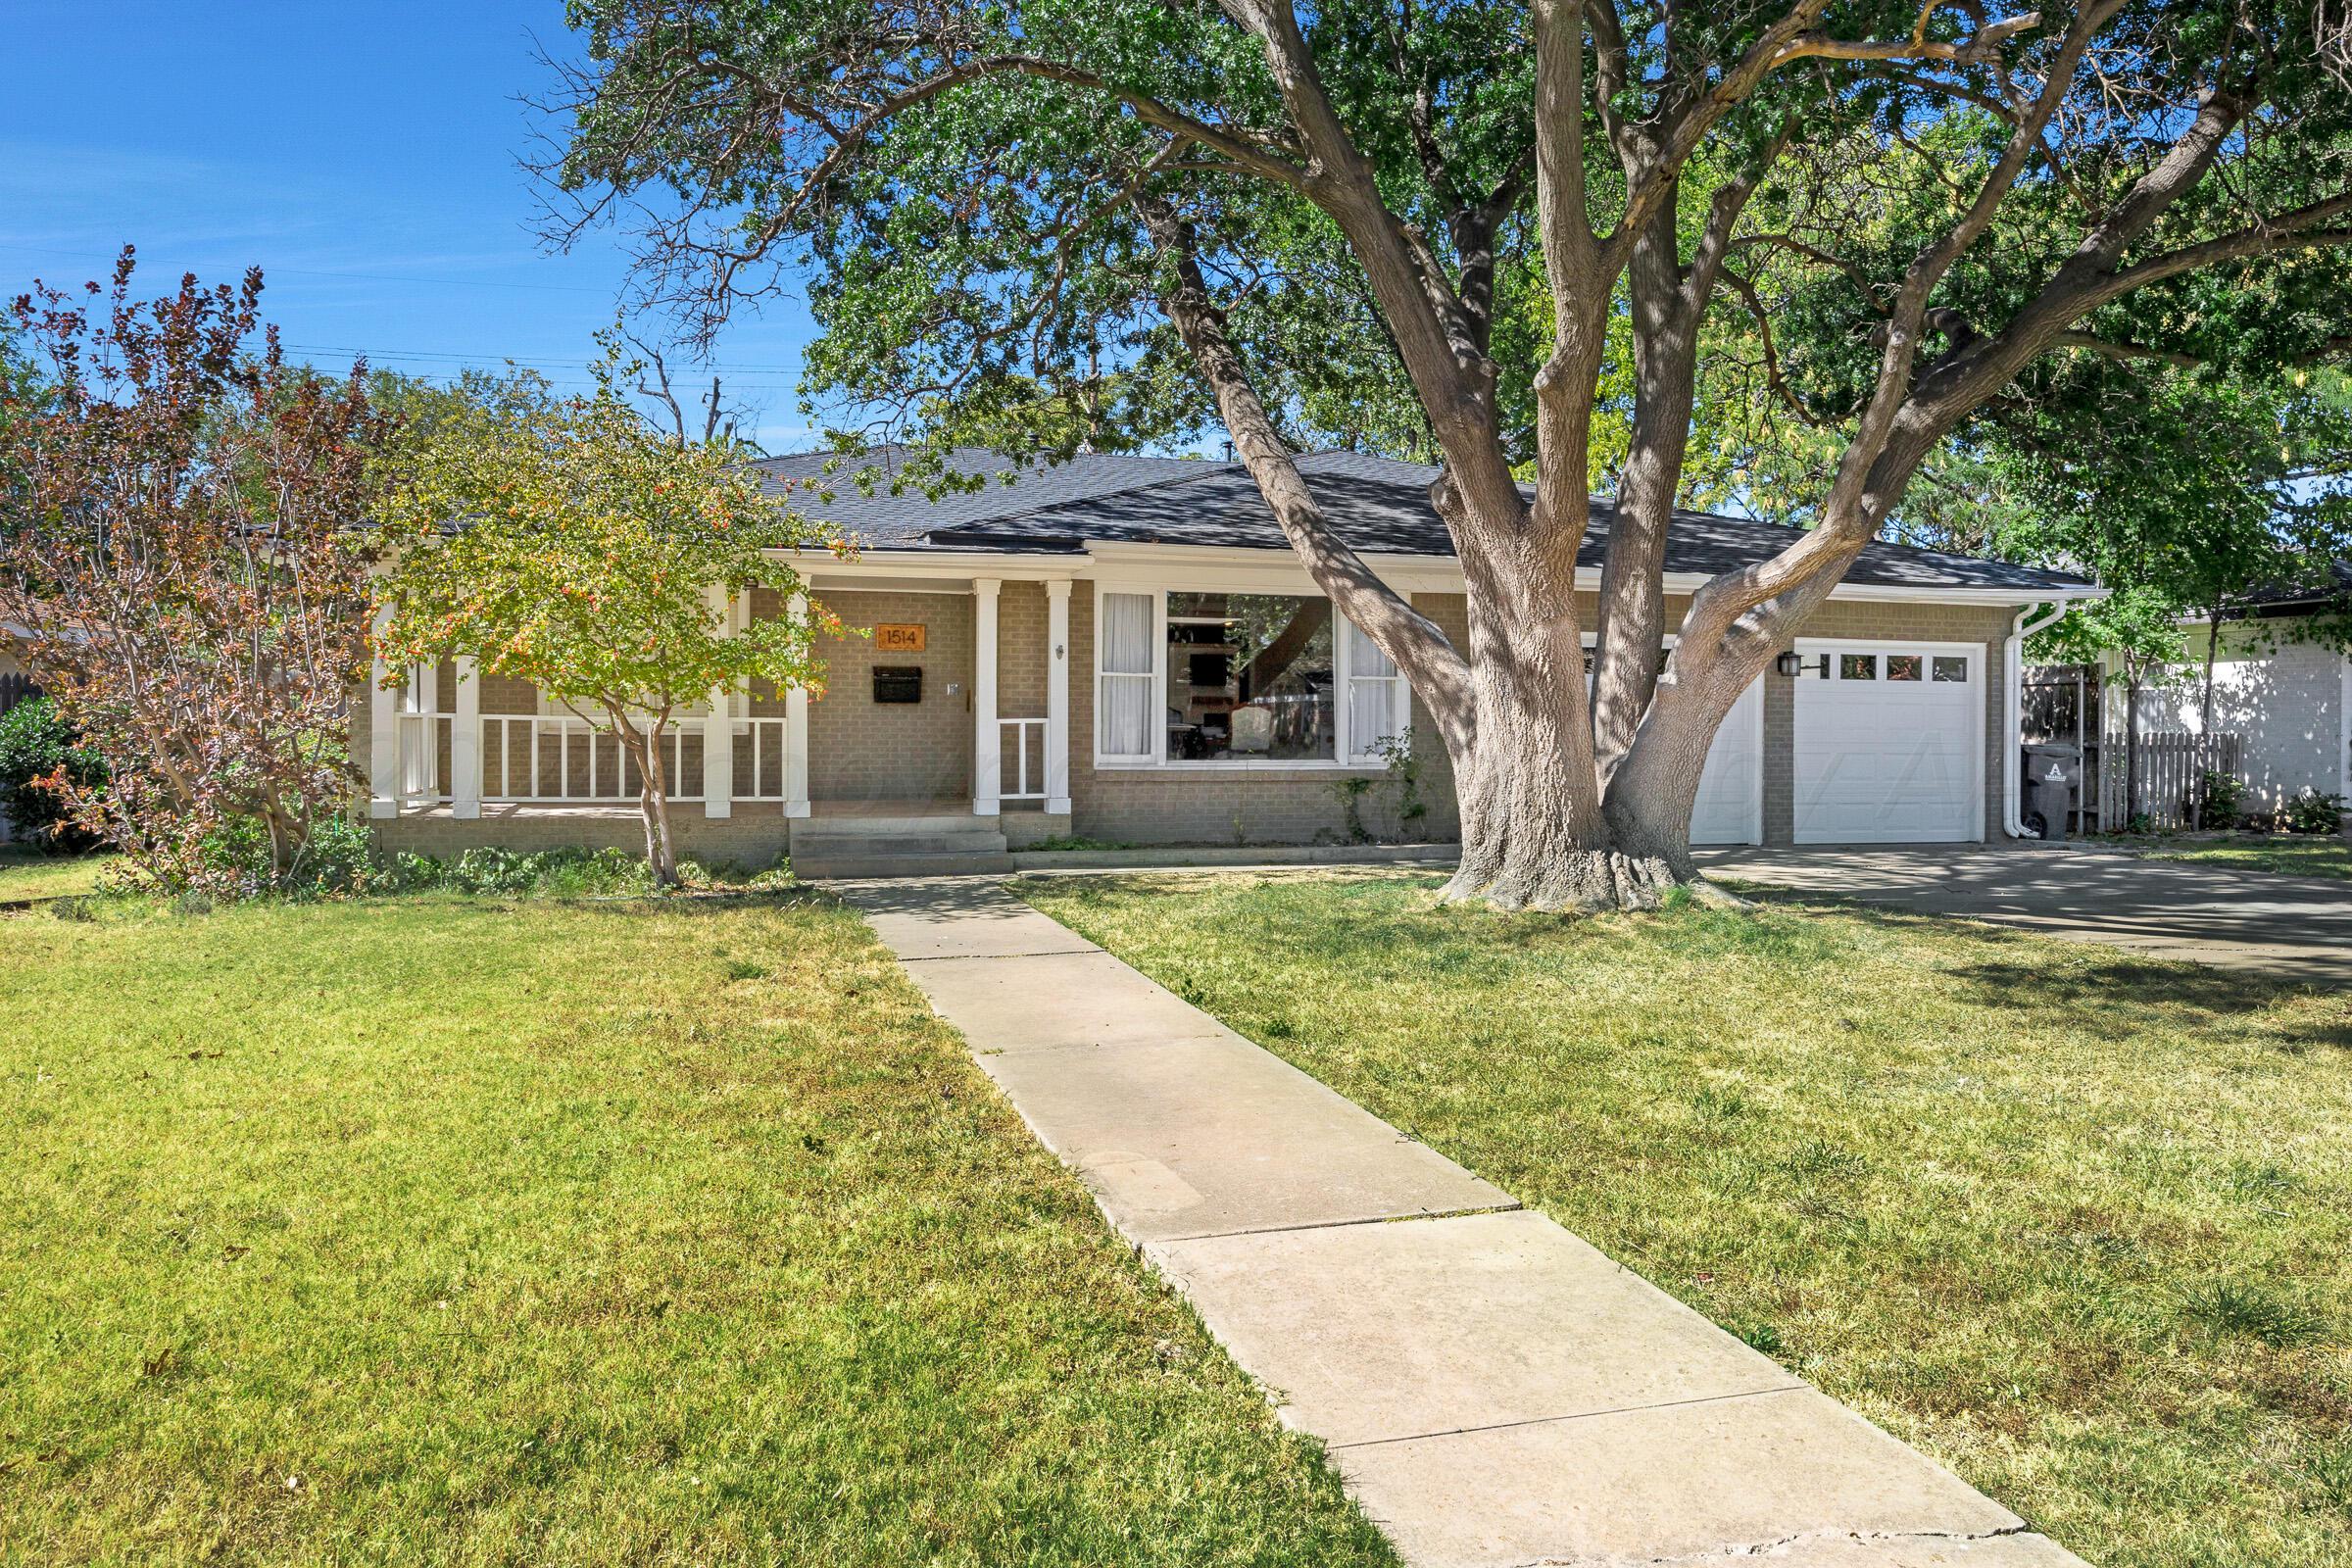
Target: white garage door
[(1890, 744), (1729, 808)]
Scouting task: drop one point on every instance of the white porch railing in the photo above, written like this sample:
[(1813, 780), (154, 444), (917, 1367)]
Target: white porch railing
[(1023, 738), (548, 758), (760, 743)]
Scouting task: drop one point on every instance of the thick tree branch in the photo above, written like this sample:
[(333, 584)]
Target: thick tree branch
[(1456, 386), (1430, 662)]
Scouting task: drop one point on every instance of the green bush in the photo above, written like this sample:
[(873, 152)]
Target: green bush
[(2225, 793), (2313, 812), (33, 744), (339, 859), (554, 873)]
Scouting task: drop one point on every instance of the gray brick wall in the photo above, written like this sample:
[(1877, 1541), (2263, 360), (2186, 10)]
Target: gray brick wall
[(752, 838), (862, 750)]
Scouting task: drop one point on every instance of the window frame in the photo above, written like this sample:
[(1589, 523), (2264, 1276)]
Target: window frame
[(1156, 679), (1344, 759)]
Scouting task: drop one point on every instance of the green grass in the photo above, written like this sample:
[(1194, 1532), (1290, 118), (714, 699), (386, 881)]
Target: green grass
[(461, 1230), (2075, 1223), (48, 876), (2286, 854)]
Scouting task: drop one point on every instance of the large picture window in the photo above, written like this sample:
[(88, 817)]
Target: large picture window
[(1251, 678), (1379, 703), (1205, 678)]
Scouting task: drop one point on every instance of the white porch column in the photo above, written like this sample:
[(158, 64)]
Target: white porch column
[(796, 731), (465, 742), (988, 766), (1057, 696), (718, 729), (383, 735)]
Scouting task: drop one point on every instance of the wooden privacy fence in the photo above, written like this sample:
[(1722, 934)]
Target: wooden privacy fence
[(2170, 765), (15, 689)]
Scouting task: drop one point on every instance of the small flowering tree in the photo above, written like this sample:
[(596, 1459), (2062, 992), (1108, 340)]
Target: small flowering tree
[(179, 515), (565, 542)]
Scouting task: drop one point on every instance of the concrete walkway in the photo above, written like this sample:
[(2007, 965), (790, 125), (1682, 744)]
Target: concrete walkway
[(1495, 1390), (2295, 928)]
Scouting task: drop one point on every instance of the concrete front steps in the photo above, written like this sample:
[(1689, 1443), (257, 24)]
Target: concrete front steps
[(876, 843)]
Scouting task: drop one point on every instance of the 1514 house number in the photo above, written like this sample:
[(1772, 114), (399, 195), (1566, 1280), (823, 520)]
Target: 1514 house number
[(898, 639)]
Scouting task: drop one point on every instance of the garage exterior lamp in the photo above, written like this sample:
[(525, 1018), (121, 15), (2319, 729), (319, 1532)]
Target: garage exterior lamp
[(1792, 664)]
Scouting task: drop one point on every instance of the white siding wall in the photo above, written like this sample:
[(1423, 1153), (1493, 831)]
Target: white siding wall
[(2287, 703)]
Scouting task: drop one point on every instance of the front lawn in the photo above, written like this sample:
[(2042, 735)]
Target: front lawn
[(25, 875), (2279, 853), (470, 1230), (2075, 1223)]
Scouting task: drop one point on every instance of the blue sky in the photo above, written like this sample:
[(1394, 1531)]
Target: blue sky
[(364, 157)]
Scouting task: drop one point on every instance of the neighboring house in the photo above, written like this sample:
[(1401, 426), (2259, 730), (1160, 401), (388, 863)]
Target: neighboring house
[(1124, 649), (2282, 684)]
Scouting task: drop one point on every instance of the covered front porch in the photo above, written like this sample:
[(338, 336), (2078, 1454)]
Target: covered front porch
[(933, 694)]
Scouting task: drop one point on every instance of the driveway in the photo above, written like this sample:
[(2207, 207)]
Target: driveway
[(2292, 927)]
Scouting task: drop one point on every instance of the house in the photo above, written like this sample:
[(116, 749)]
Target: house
[(1124, 649), (2281, 685)]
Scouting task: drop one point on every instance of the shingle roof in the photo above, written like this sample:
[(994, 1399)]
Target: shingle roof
[(2331, 591), (1376, 504)]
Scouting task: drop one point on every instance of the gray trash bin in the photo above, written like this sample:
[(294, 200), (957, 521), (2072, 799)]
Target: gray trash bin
[(2051, 773)]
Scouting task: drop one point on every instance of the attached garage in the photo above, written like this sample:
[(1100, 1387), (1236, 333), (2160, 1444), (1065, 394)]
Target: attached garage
[(1889, 743), (1729, 808)]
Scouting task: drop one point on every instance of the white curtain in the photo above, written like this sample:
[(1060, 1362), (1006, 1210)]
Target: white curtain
[(1124, 646), (1377, 701)]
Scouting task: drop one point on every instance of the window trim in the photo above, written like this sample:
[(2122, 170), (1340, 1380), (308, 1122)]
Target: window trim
[(1343, 761), (1156, 677)]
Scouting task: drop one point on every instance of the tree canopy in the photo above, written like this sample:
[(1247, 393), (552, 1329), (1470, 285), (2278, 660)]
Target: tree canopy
[(1510, 237)]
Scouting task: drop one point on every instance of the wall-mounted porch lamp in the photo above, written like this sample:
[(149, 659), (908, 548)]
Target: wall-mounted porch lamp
[(1793, 664)]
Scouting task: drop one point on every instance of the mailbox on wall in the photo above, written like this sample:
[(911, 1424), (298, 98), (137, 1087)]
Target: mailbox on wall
[(897, 683)]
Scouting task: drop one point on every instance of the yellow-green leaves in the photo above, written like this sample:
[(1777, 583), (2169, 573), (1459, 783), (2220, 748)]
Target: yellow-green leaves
[(564, 542)]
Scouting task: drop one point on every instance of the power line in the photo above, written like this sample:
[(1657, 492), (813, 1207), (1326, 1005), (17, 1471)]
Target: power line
[(443, 356), (372, 278), (753, 376)]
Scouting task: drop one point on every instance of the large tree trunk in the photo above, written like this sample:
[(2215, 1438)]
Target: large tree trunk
[(1531, 838)]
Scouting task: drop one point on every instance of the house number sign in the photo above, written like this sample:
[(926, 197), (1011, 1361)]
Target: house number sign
[(898, 639)]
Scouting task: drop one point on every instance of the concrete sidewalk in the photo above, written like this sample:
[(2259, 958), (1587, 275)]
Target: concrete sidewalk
[(1495, 1390)]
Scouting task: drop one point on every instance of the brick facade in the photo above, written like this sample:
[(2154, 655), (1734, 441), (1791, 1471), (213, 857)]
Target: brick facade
[(1277, 807), (862, 750)]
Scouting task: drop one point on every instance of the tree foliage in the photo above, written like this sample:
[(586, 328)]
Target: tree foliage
[(39, 753), (567, 542), (182, 540)]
